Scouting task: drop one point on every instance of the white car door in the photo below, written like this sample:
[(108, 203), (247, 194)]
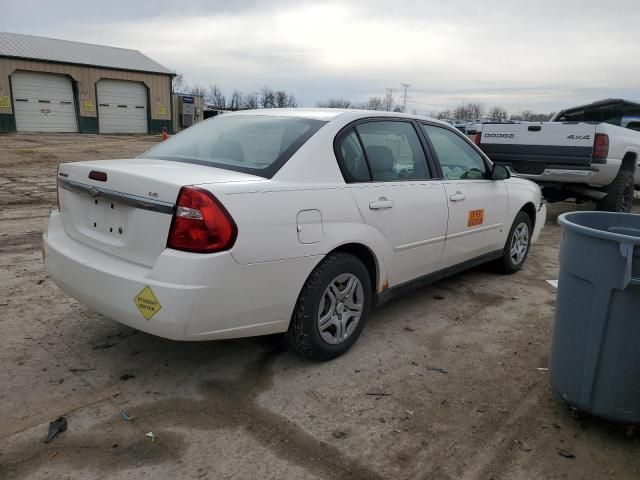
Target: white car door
[(385, 166), (478, 206)]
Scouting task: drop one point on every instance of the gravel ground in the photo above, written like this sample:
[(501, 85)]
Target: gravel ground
[(445, 382)]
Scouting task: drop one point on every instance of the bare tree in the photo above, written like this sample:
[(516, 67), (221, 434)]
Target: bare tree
[(475, 110), (236, 100), (334, 103), (177, 84), (267, 98), (529, 116), (526, 115), (374, 103), (542, 117), (498, 114), (388, 100), (284, 100), (461, 113), (216, 98), (250, 101), (444, 114), (197, 90)]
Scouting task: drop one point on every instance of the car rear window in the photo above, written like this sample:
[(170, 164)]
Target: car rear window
[(256, 144)]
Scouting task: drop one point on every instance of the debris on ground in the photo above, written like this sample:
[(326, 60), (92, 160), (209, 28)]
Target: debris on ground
[(126, 416), (81, 370), (377, 392), (151, 436), (437, 296), (409, 329), (59, 425), (523, 446), (103, 346), (126, 376), (436, 369), (565, 453), (339, 434)]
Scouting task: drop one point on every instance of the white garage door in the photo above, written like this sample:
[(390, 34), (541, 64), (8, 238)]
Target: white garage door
[(43, 103), (122, 107)]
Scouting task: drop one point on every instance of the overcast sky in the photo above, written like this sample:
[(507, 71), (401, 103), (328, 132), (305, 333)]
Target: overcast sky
[(520, 54)]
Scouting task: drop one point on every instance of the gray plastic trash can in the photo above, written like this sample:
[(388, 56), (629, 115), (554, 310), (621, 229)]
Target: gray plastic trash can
[(595, 352)]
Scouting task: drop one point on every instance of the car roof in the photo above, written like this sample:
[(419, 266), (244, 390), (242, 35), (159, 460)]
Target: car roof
[(328, 114)]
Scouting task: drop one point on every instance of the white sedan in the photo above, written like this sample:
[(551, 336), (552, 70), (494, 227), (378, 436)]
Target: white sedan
[(296, 221)]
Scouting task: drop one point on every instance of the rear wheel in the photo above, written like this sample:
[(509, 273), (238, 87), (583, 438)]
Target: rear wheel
[(516, 249), (332, 308), (619, 194)]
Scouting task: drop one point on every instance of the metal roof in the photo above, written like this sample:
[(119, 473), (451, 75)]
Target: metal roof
[(65, 51)]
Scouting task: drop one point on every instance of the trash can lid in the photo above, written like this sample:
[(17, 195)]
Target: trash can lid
[(619, 227)]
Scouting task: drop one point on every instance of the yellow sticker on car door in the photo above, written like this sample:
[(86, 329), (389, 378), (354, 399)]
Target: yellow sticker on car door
[(476, 217)]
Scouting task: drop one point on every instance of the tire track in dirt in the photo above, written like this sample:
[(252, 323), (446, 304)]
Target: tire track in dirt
[(225, 404)]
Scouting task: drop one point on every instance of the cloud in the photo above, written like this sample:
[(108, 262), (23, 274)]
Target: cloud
[(519, 54)]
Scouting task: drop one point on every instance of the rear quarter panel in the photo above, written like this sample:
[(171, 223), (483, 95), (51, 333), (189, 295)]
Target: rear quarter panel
[(267, 221)]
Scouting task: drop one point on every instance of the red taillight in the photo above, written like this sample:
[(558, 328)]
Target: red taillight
[(200, 223), (601, 146), (477, 138)]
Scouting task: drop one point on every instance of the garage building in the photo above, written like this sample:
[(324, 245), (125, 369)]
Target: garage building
[(50, 85)]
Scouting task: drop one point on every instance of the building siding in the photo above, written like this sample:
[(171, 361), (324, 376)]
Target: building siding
[(84, 79)]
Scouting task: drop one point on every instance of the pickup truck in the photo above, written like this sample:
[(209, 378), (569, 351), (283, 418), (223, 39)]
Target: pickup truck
[(586, 153)]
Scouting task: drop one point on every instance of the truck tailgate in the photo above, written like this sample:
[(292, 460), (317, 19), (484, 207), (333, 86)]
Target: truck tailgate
[(529, 147)]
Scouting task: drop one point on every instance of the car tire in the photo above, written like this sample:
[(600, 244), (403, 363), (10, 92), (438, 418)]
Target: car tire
[(619, 194), (322, 325), (516, 248)]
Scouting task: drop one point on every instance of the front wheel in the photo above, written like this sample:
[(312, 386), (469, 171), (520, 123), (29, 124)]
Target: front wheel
[(332, 308), (516, 249)]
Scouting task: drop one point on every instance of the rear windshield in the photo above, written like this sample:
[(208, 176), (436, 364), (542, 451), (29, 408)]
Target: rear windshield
[(254, 144)]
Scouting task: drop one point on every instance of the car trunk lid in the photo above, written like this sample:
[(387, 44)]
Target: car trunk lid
[(128, 214)]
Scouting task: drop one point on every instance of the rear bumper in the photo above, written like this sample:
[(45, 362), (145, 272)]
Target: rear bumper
[(201, 297), (598, 175)]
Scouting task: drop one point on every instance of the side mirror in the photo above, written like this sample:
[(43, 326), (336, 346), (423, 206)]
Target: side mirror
[(500, 172)]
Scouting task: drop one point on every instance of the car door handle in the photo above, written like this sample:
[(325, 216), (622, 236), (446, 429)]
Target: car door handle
[(457, 197), (380, 204)]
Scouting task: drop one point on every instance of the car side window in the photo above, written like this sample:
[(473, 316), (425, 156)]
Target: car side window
[(393, 150), (353, 160), (458, 159)]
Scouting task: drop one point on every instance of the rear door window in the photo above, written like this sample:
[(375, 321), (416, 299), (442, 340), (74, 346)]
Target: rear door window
[(393, 151), (353, 160)]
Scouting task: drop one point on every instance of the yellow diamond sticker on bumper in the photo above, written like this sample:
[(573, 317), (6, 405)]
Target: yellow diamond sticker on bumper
[(147, 303)]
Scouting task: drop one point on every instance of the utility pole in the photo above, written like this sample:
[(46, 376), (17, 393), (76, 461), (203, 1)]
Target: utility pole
[(388, 98), (405, 86)]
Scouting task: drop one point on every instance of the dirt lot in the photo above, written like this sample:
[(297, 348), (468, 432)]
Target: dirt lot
[(458, 364)]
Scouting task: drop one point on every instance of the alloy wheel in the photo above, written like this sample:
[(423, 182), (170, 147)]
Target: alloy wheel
[(519, 243), (340, 308)]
